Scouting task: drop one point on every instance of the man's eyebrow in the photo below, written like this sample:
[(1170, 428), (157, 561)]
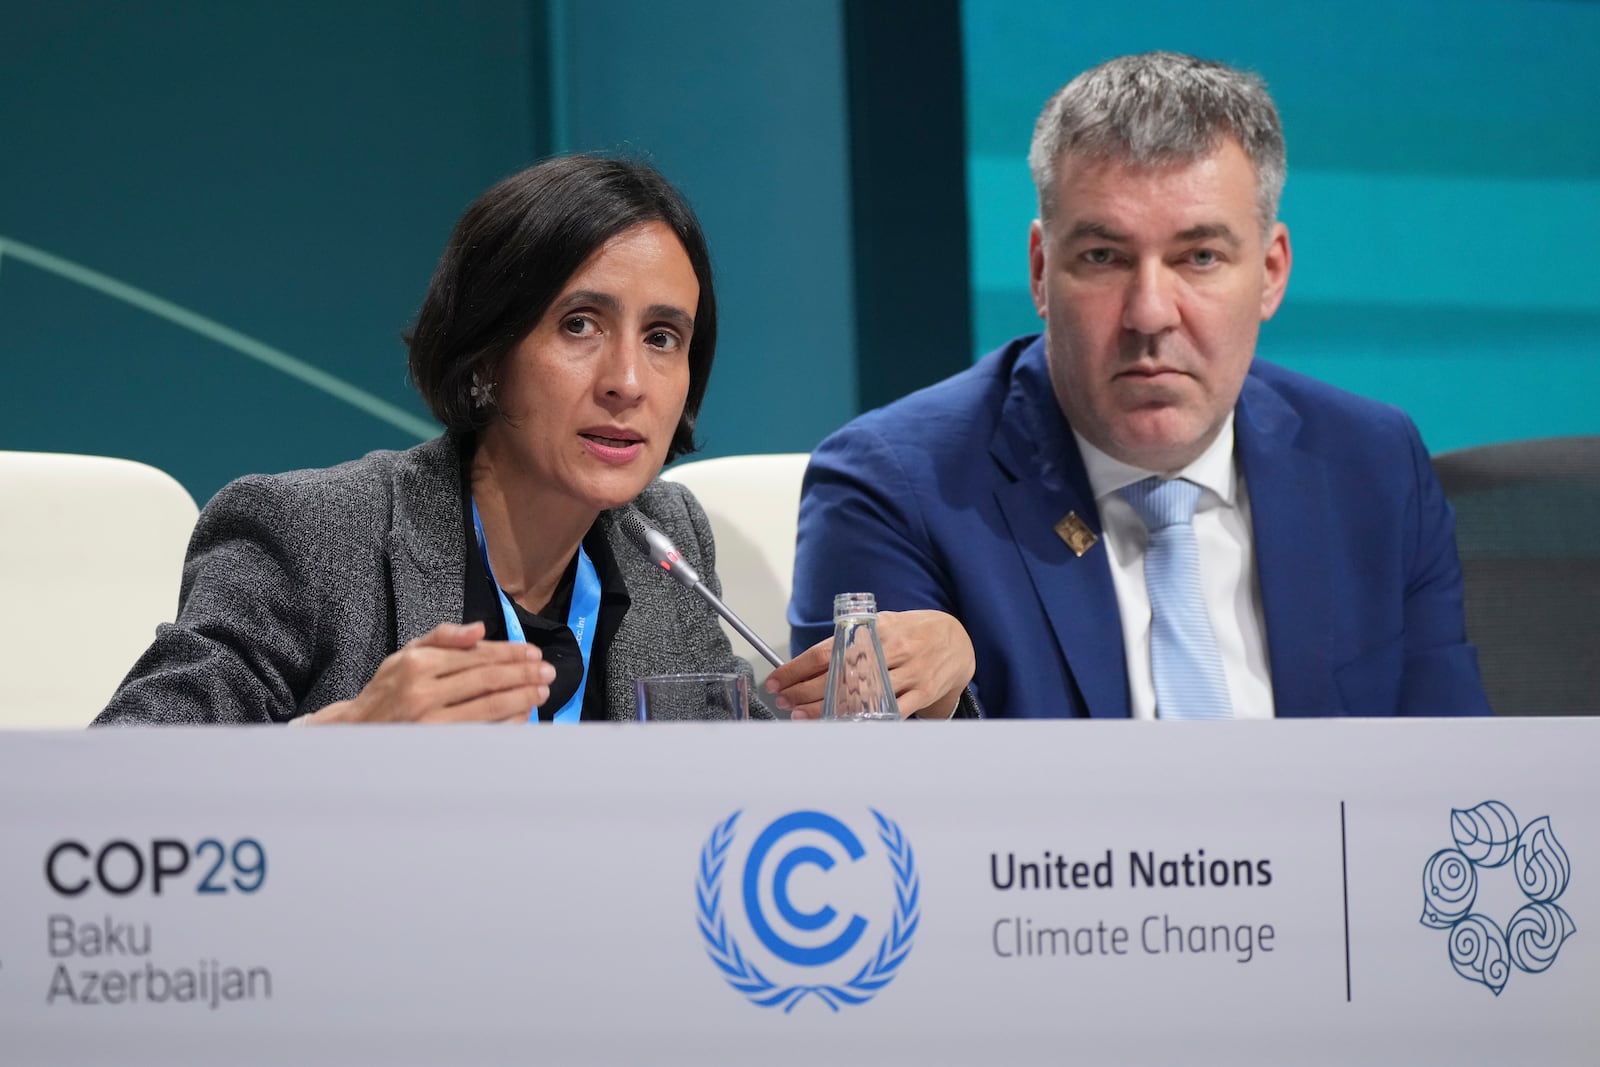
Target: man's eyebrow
[(1210, 231), (1096, 229), (1206, 231)]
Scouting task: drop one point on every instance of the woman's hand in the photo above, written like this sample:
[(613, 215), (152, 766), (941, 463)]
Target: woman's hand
[(930, 662), (450, 674)]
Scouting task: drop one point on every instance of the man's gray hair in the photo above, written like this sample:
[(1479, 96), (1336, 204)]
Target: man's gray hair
[(1158, 109)]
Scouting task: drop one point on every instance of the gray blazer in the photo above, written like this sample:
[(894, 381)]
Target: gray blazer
[(298, 585)]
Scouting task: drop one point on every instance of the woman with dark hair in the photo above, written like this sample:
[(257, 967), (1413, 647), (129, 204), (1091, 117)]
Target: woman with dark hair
[(565, 343)]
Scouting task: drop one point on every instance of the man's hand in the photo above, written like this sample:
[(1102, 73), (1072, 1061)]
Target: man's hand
[(930, 662)]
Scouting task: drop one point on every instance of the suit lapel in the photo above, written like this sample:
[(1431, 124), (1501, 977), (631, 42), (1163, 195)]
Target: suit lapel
[(1036, 449), (635, 653), (1292, 519), (426, 571)]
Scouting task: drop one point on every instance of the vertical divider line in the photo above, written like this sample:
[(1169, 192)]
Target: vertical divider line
[(1344, 866)]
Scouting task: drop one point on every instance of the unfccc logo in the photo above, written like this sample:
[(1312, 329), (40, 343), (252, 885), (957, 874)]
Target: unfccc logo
[(815, 949)]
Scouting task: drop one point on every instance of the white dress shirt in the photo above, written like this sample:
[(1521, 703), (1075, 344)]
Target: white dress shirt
[(1227, 573)]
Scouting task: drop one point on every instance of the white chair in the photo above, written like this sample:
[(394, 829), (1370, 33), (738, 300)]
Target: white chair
[(753, 503), (91, 555)]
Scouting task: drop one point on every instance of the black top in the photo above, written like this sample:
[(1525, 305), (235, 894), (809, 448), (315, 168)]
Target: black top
[(481, 603)]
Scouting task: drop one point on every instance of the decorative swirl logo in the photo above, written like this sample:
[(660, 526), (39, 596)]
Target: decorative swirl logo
[(742, 973), (1487, 836)]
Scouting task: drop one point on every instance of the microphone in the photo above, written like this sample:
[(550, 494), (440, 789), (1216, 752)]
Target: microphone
[(660, 551)]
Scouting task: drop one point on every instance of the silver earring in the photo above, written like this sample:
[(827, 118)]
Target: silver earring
[(482, 392)]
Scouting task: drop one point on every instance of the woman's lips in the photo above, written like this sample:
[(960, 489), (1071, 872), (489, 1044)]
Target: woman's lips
[(612, 449)]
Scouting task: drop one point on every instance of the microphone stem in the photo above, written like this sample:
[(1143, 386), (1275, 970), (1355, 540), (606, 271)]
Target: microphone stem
[(738, 624)]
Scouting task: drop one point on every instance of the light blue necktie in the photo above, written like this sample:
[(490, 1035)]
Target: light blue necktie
[(1184, 661)]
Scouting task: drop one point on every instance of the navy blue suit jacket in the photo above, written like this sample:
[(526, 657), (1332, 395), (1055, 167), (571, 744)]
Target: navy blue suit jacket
[(948, 498)]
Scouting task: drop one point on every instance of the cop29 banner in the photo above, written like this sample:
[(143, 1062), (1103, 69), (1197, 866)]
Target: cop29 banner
[(1136, 893)]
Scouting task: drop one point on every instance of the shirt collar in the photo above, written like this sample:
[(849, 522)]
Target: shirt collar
[(1212, 470)]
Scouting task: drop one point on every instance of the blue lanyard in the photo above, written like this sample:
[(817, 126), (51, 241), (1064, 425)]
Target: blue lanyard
[(583, 618)]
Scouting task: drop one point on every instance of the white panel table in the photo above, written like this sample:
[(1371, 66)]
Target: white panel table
[(1026, 892)]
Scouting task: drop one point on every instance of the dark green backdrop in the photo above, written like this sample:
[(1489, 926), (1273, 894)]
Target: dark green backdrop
[(275, 180), (216, 219)]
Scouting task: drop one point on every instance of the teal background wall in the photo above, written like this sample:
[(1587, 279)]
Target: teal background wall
[(282, 177), (287, 171), (275, 181), (743, 105), (1443, 197)]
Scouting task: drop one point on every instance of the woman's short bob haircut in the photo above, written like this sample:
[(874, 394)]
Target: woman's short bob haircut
[(511, 254)]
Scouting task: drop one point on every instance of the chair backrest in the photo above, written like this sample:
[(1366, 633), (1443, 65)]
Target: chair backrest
[(1528, 526), (753, 503), (91, 556)]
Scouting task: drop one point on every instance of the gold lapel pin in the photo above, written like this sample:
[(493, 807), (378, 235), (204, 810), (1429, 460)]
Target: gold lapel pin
[(1076, 533)]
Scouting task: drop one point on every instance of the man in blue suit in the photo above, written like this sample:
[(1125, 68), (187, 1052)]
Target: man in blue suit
[(1322, 576)]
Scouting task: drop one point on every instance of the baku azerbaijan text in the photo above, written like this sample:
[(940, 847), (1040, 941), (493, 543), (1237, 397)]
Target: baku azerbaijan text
[(206, 982)]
